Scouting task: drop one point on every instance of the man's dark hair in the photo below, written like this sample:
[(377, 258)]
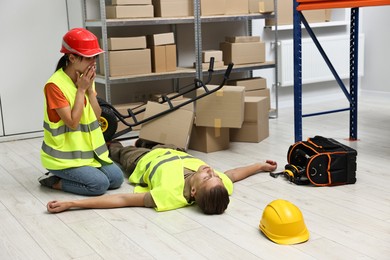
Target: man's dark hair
[(214, 200)]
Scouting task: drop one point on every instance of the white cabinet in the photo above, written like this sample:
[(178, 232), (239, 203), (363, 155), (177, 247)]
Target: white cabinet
[(31, 33)]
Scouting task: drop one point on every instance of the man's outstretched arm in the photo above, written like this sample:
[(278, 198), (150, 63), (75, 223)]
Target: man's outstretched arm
[(241, 173), (100, 202)]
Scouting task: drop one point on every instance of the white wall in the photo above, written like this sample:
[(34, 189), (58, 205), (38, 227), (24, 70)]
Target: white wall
[(375, 25), (31, 34)]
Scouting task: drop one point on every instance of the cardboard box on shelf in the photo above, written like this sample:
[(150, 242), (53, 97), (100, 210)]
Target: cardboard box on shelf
[(126, 43), (129, 11), (250, 83), (209, 139), (237, 7), (161, 39), (173, 8), (172, 128), (123, 109), (207, 54), (243, 53), (242, 39), (260, 93), (128, 62), (254, 6), (163, 58), (255, 127), (212, 7), (285, 14), (222, 108), (131, 2), (266, 6)]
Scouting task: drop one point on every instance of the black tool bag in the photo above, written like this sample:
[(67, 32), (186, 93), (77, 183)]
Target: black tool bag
[(323, 161)]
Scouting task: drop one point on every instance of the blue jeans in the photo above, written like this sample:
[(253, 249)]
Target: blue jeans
[(90, 181)]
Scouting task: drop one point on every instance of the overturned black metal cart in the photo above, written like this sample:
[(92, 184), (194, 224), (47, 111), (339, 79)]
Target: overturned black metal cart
[(110, 116)]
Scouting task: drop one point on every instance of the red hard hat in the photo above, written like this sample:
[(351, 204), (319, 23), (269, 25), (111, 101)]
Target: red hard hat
[(81, 42)]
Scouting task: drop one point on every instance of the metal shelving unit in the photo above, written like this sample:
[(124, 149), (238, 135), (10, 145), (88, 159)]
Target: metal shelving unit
[(181, 72), (352, 94)]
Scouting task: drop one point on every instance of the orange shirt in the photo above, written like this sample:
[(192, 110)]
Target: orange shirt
[(55, 99)]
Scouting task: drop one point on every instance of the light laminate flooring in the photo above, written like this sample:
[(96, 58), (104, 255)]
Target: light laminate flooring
[(345, 222)]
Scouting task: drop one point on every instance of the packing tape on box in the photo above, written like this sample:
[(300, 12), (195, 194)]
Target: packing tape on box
[(217, 122), (219, 93)]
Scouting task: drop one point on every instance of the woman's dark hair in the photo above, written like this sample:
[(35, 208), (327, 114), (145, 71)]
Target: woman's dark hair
[(64, 61), (214, 200)]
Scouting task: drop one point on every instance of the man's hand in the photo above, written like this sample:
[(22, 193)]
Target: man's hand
[(57, 206), (269, 166)]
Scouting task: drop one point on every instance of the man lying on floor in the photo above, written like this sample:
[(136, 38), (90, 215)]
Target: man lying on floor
[(167, 178)]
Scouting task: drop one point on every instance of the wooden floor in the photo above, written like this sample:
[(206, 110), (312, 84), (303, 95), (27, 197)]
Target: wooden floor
[(345, 222)]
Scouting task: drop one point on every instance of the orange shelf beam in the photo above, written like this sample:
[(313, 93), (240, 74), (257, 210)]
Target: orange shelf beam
[(323, 4)]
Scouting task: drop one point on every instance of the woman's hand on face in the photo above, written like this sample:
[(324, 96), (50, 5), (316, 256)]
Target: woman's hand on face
[(84, 81)]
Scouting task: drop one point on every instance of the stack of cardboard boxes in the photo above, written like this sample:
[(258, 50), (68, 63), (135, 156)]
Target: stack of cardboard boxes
[(163, 51), (206, 57), (127, 56), (256, 87), (255, 127), (215, 114), (130, 9)]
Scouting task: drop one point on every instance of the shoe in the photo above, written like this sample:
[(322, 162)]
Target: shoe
[(142, 143), (48, 179)]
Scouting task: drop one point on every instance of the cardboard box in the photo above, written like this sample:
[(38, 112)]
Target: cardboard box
[(255, 127), (237, 39), (250, 132), (254, 109), (250, 83), (173, 8), (223, 108), (209, 139), (126, 43), (172, 128), (212, 7), (285, 14), (129, 11), (243, 53), (254, 6), (206, 55), (131, 2), (260, 93), (161, 39), (163, 58), (123, 109), (129, 62), (266, 6), (237, 7)]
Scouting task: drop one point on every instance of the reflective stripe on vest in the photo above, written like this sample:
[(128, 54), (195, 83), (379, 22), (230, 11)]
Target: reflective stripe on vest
[(64, 129)]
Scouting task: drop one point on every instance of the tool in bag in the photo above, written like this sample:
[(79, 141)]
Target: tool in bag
[(320, 161)]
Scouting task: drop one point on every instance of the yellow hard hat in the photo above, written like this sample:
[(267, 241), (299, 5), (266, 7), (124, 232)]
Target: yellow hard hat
[(282, 222)]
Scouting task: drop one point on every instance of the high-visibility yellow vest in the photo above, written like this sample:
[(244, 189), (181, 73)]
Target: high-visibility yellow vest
[(161, 172), (63, 147)]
